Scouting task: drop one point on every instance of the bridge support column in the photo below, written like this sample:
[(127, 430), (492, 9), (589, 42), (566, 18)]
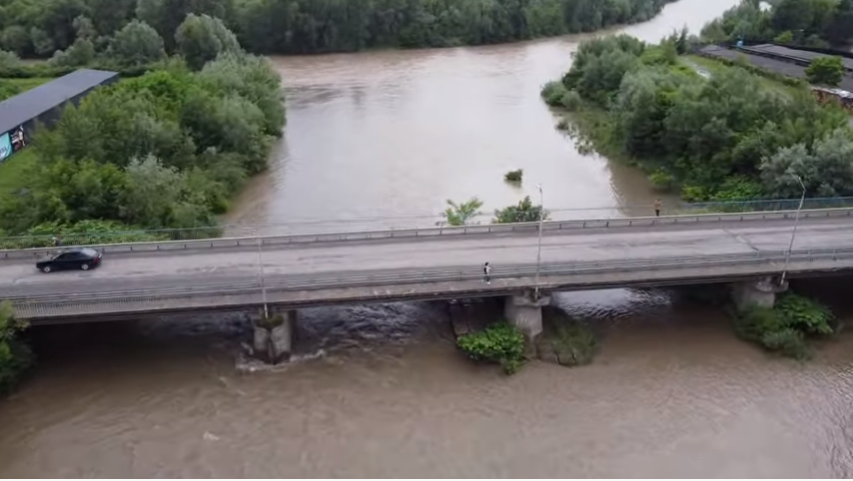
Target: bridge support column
[(273, 340), (525, 313), (760, 293)]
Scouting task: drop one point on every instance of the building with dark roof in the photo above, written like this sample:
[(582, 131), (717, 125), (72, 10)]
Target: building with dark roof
[(20, 114), (783, 67), (801, 57)]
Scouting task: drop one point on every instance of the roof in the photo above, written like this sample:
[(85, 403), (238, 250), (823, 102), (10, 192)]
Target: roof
[(785, 52), (32, 103)]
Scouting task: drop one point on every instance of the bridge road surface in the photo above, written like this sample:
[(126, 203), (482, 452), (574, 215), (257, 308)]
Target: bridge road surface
[(197, 268)]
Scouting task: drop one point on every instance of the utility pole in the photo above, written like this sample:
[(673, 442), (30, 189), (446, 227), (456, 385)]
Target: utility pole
[(261, 275), (794, 232), (539, 248)]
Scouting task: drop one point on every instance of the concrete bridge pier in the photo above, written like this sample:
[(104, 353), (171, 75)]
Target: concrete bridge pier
[(273, 339), (525, 313), (758, 293)]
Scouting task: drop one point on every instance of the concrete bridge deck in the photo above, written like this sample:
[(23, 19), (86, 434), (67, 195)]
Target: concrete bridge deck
[(425, 267)]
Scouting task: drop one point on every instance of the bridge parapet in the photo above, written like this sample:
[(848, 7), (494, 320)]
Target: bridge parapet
[(172, 247)]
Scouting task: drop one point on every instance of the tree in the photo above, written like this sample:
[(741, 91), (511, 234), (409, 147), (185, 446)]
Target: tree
[(786, 37), (15, 38), (137, 44), (110, 16), (201, 39), (152, 194), (826, 172), (42, 43), (84, 28), (8, 60), (460, 214), (825, 71), (525, 211), (15, 357), (79, 54)]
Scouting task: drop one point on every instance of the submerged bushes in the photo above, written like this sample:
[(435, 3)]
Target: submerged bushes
[(786, 327), (499, 343), (15, 357)]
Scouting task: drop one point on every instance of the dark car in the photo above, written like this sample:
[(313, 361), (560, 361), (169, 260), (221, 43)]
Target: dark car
[(83, 258)]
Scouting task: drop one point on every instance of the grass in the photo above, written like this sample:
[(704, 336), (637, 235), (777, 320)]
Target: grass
[(10, 87), (14, 169), (713, 66)]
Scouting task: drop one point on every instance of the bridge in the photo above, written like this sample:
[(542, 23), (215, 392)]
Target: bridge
[(291, 272)]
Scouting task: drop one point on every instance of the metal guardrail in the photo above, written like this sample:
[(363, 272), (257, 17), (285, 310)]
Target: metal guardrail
[(152, 299), (433, 232), (81, 237)]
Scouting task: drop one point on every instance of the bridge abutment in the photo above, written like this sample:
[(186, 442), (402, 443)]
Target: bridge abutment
[(757, 293), (273, 336), (525, 313)]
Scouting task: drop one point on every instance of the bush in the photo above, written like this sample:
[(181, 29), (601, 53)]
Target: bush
[(514, 175), (786, 327), (499, 343), (788, 342), (826, 71), (662, 180), (563, 125), (525, 211), (574, 344), (806, 315), (459, 214), (15, 356), (571, 100), (553, 93)]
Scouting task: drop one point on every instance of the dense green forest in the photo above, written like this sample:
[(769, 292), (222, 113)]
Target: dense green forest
[(815, 23), (724, 138), (42, 27), (161, 150)]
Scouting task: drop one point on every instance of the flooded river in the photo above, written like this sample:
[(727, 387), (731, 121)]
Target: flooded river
[(384, 138)]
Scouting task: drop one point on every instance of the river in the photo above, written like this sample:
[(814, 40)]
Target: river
[(385, 138)]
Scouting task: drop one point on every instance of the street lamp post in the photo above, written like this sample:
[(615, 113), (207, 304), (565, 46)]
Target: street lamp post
[(794, 232), (261, 276), (539, 247)]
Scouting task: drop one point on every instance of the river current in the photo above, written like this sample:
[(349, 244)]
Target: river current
[(382, 139)]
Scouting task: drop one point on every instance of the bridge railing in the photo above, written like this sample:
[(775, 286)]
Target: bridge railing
[(248, 291), (434, 232), (766, 205), (47, 240)]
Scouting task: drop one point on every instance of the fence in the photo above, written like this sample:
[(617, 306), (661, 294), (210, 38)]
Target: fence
[(561, 215), (767, 205)]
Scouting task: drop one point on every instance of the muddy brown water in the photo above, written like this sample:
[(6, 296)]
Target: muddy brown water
[(383, 139)]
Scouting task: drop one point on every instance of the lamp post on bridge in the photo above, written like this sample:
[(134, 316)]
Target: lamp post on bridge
[(794, 232), (539, 247), (261, 275)]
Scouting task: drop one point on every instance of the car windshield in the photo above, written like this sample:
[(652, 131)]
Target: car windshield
[(89, 252)]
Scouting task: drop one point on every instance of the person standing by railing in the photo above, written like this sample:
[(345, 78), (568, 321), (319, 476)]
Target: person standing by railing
[(658, 207), (487, 273)]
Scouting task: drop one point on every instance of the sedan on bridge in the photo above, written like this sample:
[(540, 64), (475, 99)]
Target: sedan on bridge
[(82, 258)]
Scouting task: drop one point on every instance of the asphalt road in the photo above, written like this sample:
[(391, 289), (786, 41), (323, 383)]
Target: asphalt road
[(157, 271)]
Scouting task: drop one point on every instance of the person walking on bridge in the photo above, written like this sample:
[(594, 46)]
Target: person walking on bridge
[(487, 273), (658, 207)]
